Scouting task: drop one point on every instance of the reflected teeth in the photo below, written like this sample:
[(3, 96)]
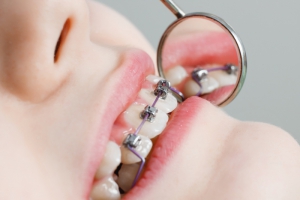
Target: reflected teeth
[(224, 78), (110, 161), (126, 176), (176, 75), (151, 130), (167, 105), (215, 80), (143, 149), (208, 85), (107, 189)]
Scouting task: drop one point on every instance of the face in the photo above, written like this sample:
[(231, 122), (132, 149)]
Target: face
[(74, 79)]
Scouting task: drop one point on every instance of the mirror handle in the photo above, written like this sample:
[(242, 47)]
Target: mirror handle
[(173, 8)]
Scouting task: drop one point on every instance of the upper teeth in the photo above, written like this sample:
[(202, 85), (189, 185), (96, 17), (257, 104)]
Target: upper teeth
[(167, 105), (150, 130), (114, 154), (143, 149)]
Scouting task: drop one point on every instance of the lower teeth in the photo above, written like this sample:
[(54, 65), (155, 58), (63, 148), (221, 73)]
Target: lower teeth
[(107, 189), (126, 176)]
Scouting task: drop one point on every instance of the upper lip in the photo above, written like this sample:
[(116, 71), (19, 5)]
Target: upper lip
[(125, 83)]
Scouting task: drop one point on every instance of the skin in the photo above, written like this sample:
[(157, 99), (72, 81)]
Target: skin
[(48, 110)]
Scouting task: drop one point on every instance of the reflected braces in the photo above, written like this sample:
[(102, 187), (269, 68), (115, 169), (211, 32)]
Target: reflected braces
[(200, 74), (133, 140)]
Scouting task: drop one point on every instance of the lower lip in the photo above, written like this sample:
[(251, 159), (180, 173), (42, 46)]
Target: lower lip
[(166, 146)]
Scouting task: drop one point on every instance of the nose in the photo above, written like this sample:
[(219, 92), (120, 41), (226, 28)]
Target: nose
[(39, 41)]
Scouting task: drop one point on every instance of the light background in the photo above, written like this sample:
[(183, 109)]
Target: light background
[(270, 31)]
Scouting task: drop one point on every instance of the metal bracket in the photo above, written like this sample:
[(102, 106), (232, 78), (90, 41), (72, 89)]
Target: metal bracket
[(132, 140), (231, 69), (200, 74), (151, 112), (162, 89)]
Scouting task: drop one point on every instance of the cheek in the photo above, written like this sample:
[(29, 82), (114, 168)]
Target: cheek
[(32, 60), (109, 27)]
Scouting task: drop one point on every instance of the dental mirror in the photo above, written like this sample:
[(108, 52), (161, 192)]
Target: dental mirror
[(201, 55)]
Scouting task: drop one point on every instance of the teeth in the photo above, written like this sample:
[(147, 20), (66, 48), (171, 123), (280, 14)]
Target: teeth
[(143, 149), (127, 174), (176, 75), (110, 161), (191, 88), (106, 189), (153, 79), (167, 105), (223, 78), (151, 130)]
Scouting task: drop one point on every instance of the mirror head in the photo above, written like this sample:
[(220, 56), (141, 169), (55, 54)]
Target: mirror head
[(201, 55)]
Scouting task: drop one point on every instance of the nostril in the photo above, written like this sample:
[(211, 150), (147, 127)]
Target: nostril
[(61, 39)]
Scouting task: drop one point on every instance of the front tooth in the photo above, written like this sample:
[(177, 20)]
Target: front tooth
[(223, 78), (143, 149), (127, 174), (191, 88), (167, 105), (110, 161), (151, 130), (176, 75), (106, 189)]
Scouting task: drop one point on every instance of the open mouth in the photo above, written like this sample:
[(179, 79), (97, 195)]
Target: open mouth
[(115, 175), (119, 166)]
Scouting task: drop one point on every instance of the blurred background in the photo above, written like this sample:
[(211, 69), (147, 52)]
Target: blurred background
[(270, 32)]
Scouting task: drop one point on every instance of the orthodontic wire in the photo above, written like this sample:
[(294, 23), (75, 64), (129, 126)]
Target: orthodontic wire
[(143, 161), (226, 67), (223, 68), (146, 116)]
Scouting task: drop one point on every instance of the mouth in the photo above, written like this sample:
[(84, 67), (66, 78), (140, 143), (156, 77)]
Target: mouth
[(110, 183), (113, 174)]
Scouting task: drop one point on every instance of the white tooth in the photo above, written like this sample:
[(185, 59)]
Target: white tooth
[(143, 149), (127, 174), (107, 189), (191, 88), (224, 78), (176, 75), (153, 79), (151, 130), (110, 161), (167, 105)]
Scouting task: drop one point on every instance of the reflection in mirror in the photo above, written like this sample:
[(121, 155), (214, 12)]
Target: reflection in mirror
[(200, 58)]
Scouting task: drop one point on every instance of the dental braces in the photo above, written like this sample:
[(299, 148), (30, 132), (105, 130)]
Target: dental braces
[(163, 88), (200, 74), (133, 140)]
